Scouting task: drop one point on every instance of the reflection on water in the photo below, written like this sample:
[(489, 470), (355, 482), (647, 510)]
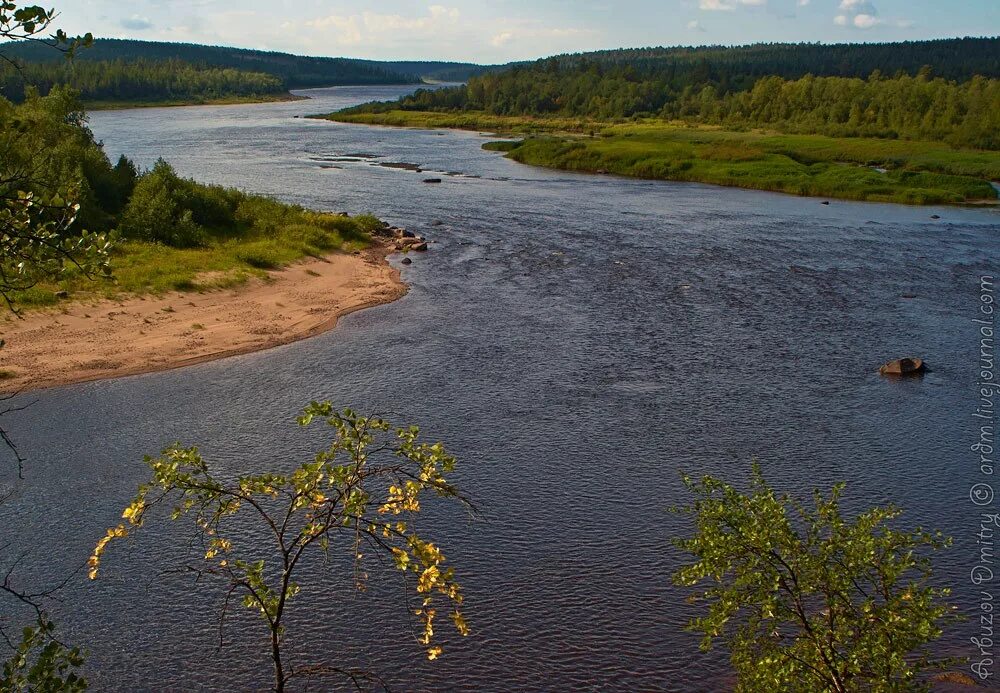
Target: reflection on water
[(577, 341)]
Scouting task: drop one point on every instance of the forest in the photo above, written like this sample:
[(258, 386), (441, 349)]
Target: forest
[(712, 86), (294, 71), (137, 80)]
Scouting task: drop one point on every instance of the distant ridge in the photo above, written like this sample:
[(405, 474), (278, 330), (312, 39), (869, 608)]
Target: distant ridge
[(295, 71)]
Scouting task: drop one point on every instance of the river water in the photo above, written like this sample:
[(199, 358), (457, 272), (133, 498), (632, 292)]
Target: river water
[(577, 341)]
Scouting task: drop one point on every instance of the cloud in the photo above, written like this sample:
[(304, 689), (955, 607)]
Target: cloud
[(136, 23), (803, 3), (728, 5), (372, 27), (533, 34), (695, 26), (502, 38), (866, 21), (857, 6), (861, 14)]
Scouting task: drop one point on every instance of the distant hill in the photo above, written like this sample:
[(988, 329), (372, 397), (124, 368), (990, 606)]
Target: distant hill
[(294, 71), (440, 71), (957, 59)]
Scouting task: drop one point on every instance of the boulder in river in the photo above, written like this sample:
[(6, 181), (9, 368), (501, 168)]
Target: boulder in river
[(408, 234), (904, 367), (437, 222), (432, 180), (825, 202), (419, 247), (935, 216), (407, 261)]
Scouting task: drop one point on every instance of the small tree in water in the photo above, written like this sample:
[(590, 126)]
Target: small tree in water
[(364, 489), (807, 600)]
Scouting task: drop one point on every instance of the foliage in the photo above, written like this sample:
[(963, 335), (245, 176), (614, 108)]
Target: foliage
[(912, 104), (52, 187), (361, 494), (806, 599), (166, 229), (139, 80), (42, 663), (111, 56)]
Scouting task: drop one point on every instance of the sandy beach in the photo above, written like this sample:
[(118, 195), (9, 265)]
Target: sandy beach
[(80, 341)]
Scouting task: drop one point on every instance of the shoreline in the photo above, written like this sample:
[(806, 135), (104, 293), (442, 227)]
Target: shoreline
[(177, 103), (103, 339), (911, 172)]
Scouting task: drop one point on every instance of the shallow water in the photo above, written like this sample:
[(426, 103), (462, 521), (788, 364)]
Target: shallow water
[(577, 341)]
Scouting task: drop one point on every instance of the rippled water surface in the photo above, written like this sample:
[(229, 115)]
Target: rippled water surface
[(577, 341)]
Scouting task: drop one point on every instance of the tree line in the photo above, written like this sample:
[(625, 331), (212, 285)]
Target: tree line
[(919, 106), (136, 80), (294, 71)]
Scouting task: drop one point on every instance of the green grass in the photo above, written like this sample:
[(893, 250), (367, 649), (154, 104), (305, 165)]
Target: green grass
[(837, 167), (151, 268), (466, 121)]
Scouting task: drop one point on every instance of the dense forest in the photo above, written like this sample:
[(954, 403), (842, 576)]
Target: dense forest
[(295, 72), (713, 86), (138, 80), (738, 67)]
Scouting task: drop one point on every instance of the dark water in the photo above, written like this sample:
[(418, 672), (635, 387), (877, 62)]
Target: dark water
[(577, 341)]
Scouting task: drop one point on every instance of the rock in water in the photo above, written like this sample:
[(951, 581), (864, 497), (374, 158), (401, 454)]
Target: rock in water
[(904, 367), (432, 180), (407, 261), (408, 234), (419, 247)]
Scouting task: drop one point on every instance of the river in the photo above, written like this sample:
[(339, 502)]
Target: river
[(577, 341)]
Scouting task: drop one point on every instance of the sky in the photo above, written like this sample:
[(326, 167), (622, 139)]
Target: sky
[(504, 30)]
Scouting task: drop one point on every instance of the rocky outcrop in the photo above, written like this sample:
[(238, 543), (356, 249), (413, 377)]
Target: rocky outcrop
[(904, 367)]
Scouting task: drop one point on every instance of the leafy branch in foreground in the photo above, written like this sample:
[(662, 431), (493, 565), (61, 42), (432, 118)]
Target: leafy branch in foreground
[(37, 243), (28, 22), (360, 494), (807, 600)]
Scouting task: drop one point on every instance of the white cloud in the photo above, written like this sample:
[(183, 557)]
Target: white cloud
[(502, 38), (531, 34), (803, 3), (866, 21), (695, 26), (728, 5), (136, 23), (861, 14), (905, 23), (857, 6)]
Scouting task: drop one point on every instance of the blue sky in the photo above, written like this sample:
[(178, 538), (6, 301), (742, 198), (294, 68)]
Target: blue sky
[(503, 30)]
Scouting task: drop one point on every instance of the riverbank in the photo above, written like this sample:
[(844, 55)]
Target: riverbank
[(867, 169), (200, 101), (104, 338)]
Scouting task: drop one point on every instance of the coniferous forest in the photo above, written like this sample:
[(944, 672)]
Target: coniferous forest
[(915, 90), (128, 70)]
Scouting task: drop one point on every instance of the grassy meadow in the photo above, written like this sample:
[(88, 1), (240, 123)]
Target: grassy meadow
[(916, 172)]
